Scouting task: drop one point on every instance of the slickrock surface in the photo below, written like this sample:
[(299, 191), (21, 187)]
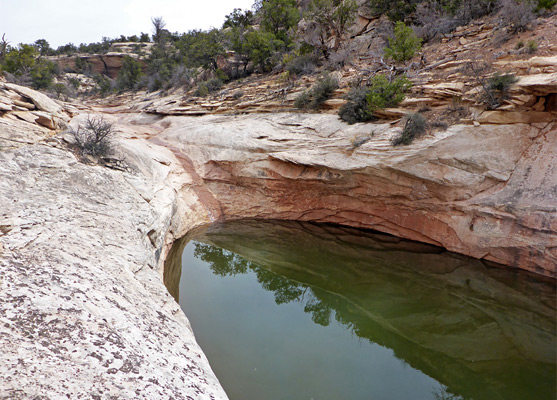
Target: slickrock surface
[(487, 191), (83, 311)]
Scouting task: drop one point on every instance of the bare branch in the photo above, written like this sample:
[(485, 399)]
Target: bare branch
[(94, 138)]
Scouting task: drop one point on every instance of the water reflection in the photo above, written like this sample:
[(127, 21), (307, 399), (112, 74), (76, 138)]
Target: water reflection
[(481, 331), (225, 263)]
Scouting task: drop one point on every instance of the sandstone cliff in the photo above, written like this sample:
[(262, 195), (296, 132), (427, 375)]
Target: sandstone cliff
[(82, 304), (488, 191)]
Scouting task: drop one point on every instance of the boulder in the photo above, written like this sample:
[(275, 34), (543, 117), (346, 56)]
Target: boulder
[(41, 101)]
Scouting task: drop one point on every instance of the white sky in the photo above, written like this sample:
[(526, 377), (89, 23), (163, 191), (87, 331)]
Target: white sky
[(86, 21)]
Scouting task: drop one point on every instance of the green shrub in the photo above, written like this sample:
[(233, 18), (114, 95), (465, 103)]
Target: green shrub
[(396, 10), (42, 74), (383, 94), (220, 74), (159, 71), (239, 18), (104, 84), (26, 64), (130, 74), (497, 89), (322, 90), (204, 88), (404, 45), (494, 89), (201, 90), (200, 48), (82, 65), (318, 93), (502, 83), (380, 93), (414, 126), (214, 84), (356, 108), (75, 83), (546, 4), (260, 48), (278, 17), (60, 89), (303, 99), (531, 46), (67, 49), (328, 22), (20, 60)]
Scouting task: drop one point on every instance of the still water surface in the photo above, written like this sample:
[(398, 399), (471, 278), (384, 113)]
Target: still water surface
[(287, 310)]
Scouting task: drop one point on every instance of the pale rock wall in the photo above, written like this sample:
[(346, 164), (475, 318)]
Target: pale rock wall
[(83, 310), (486, 191)]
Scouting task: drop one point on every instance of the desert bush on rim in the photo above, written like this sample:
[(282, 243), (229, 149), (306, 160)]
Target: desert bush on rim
[(318, 94), (404, 44), (381, 92), (356, 108), (94, 137), (415, 125)]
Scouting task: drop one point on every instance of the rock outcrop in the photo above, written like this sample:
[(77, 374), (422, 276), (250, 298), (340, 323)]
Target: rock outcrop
[(487, 191), (83, 311), (28, 116), (107, 64)]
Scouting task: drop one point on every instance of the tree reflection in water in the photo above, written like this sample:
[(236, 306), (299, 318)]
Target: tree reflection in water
[(225, 263), (480, 330)]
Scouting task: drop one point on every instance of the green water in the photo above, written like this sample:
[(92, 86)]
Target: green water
[(287, 310)]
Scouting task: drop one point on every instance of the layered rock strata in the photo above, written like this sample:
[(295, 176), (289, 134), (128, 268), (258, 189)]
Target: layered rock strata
[(486, 191), (83, 309)]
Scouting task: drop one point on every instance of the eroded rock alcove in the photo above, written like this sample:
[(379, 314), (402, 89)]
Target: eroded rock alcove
[(83, 307)]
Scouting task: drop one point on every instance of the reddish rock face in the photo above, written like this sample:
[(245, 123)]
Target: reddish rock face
[(489, 191), (107, 64)]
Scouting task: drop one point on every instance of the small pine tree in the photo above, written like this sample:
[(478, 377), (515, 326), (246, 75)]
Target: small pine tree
[(278, 17), (383, 94), (404, 45), (129, 74)]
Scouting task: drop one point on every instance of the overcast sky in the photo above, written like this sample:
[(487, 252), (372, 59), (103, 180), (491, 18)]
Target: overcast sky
[(86, 21)]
